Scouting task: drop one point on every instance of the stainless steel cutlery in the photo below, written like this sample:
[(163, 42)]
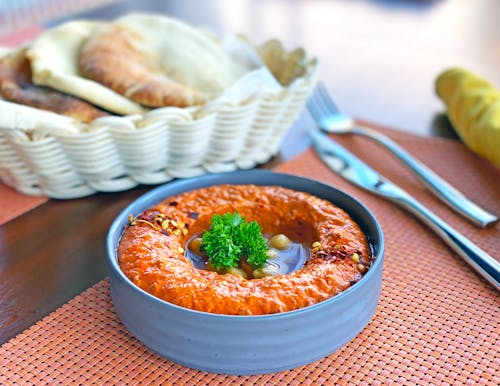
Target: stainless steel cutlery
[(331, 119), (348, 166)]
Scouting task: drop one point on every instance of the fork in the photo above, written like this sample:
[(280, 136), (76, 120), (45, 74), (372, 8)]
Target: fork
[(331, 119)]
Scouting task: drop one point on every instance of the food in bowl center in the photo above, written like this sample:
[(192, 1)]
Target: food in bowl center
[(300, 250)]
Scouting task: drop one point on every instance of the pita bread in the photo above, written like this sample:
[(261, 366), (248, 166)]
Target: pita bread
[(54, 63), (157, 61), (16, 86)]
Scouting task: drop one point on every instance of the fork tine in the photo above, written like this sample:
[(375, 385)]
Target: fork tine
[(314, 104), (326, 114), (317, 105), (327, 100)]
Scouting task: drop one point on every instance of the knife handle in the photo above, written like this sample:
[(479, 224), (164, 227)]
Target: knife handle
[(478, 259), (444, 191)]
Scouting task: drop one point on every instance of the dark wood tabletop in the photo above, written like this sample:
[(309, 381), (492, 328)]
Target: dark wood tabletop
[(378, 58)]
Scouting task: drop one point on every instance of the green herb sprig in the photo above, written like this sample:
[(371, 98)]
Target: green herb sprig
[(231, 238)]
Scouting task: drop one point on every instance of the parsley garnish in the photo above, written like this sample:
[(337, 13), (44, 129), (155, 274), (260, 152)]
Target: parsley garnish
[(231, 238)]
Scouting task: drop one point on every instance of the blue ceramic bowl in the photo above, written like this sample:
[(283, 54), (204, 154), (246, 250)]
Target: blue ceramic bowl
[(247, 344)]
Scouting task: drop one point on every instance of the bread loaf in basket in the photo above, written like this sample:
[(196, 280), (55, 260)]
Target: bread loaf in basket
[(134, 142)]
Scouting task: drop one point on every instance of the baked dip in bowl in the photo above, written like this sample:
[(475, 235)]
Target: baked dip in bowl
[(245, 272)]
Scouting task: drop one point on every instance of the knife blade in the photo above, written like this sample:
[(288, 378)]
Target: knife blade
[(351, 168)]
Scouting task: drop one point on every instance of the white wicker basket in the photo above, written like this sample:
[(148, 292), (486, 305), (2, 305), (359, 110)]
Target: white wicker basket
[(117, 153)]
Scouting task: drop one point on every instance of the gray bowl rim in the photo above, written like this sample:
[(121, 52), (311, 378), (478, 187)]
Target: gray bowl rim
[(157, 195)]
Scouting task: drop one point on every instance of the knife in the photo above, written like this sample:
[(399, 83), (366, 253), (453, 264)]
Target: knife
[(348, 166)]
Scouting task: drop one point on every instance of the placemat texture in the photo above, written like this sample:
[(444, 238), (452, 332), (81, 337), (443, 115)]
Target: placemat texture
[(13, 204), (437, 322)]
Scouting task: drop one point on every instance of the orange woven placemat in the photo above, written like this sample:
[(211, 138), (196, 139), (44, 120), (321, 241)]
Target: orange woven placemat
[(437, 322), (13, 204)]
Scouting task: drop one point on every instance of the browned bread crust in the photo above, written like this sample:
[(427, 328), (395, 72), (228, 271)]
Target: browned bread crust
[(16, 86), (110, 57)]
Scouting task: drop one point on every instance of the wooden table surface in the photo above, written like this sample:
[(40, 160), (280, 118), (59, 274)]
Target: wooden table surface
[(379, 59)]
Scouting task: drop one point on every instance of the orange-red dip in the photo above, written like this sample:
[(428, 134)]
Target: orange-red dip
[(153, 256)]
